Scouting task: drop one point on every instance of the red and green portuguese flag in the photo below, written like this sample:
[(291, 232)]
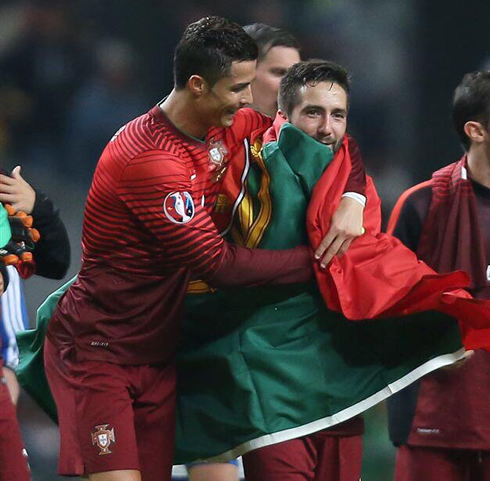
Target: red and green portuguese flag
[(263, 365)]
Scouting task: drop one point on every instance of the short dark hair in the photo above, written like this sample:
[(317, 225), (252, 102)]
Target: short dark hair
[(309, 72), (471, 101), (267, 37), (208, 47)]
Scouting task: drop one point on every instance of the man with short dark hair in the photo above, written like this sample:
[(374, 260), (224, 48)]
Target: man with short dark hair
[(110, 345), (442, 424), (278, 50), (281, 368), (313, 96)]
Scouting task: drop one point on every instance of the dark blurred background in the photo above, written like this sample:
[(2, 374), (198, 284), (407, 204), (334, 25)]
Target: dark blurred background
[(72, 72)]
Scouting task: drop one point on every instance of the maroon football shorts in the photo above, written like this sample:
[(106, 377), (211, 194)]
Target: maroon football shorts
[(13, 456), (441, 464), (111, 416), (316, 457)]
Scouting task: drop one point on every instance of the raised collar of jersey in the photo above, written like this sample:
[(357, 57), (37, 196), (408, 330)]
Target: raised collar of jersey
[(159, 115)]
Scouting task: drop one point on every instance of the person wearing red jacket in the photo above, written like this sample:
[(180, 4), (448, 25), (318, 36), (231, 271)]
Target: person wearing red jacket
[(110, 346), (441, 424)]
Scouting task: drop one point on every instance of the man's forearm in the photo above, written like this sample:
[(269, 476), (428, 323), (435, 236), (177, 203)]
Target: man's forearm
[(240, 266)]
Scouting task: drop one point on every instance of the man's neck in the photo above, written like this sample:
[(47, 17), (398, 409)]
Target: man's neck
[(479, 164), (180, 110)]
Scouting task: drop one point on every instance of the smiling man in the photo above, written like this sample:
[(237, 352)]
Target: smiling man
[(278, 51), (286, 377), (109, 353), (314, 98), (320, 107)]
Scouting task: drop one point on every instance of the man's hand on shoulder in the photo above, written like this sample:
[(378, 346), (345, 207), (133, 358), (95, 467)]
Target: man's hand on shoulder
[(17, 192), (345, 227)]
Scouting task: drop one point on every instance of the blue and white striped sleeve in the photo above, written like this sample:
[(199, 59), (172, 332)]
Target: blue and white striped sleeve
[(14, 318)]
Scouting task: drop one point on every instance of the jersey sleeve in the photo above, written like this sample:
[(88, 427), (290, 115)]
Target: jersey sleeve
[(357, 177), (156, 187), (254, 267)]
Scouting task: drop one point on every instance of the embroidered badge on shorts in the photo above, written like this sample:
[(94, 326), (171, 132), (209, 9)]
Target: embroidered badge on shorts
[(179, 207), (103, 437)]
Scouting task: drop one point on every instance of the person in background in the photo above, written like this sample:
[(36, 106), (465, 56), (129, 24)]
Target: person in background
[(13, 319), (13, 456), (278, 50), (52, 257), (441, 425)]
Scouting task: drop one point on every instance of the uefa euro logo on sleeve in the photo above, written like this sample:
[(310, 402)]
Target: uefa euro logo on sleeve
[(179, 207)]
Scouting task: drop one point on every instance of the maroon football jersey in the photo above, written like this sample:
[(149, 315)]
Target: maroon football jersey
[(146, 228), (450, 407)]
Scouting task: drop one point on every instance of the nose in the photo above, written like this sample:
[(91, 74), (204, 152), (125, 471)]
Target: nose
[(247, 98), (325, 127)]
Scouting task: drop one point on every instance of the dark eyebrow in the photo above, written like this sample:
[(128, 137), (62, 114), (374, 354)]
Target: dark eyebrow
[(341, 111), (312, 106), (240, 86)]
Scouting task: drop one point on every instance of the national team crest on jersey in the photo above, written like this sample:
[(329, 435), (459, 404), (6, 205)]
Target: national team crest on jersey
[(103, 437), (179, 207), (217, 153)]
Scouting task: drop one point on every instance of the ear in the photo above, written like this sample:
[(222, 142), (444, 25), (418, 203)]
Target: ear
[(197, 85), (475, 131), (283, 114)]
